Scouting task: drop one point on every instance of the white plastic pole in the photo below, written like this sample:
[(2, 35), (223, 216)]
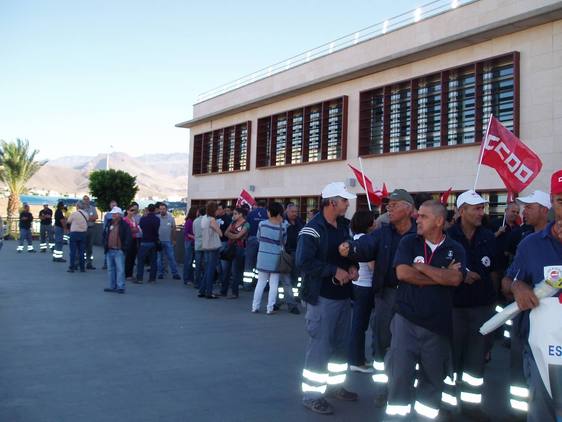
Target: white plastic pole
[(483, 149), (365, 183)]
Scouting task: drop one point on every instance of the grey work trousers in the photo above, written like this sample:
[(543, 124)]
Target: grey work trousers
[(410, 345), (541, 405), (469, 349), (380, 321), (328, 324)]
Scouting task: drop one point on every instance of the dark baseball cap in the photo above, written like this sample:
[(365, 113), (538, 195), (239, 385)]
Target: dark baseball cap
[(401, 195)]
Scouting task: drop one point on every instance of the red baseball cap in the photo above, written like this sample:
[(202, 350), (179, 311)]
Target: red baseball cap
[(556, 183)]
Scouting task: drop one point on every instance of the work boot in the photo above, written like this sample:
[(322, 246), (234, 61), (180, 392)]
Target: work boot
[(319, 406), (90, 267), (342, 394)]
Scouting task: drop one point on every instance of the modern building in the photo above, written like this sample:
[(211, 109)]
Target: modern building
[(411, 96)]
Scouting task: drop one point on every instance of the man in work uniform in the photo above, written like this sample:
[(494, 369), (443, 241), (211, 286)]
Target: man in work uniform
[(472, 304), (60, 228), (92, 218), (380, 246), (428, 265), (46, 228), (535, 213), (537, 255), (25, 222), (327, 295), (255, 216)]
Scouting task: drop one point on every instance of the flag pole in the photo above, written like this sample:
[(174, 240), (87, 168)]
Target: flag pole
[(483, 149), (365, 183)]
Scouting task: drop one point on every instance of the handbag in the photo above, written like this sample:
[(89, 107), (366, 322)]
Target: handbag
[(229, 252), (285, 260)]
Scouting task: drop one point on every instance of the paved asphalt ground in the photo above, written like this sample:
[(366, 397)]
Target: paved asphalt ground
[(70, 352)]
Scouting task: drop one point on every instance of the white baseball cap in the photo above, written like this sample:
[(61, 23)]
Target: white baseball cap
[(470, 197), (116, 210), (337, 189), (537, 197)]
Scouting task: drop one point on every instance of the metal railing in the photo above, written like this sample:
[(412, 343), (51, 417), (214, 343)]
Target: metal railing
[(410, 17)]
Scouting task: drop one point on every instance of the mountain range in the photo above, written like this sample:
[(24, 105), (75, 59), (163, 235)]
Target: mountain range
[(159, 176)]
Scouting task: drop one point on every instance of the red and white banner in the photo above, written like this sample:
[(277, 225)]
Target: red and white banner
[(375, 195), (245, 199), (444, 198), (516, 164)]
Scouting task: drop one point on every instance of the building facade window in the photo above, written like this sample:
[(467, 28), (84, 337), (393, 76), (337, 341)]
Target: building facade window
[(448, 108), (313, 133), (222, 150)]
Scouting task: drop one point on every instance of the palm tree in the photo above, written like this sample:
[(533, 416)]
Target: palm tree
[(17, 166)]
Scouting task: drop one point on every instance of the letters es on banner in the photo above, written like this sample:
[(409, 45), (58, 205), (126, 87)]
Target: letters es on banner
[(516, 164)]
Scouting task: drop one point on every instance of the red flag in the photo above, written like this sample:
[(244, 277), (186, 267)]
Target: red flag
[(445, 196), (384, 191), (368, 186), (516, 164), (245, 199)]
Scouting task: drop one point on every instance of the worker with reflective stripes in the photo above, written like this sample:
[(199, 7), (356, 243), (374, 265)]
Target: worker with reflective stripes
[(327, 297), (25, 222), (428, 265), (472, 302), (539, 255), (46, 228), (535, 213), (252, 245), (380, 246), (60, 228)]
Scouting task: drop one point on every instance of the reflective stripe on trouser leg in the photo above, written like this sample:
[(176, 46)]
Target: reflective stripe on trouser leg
[(43, 246), (314, 382), (51, 245), (29, 247), (425, 410), (248, 277), (19, 248), (57, 254), (337, 373), (398, 409), (471, 388), (518, 398), (449, 394), (379, 376)]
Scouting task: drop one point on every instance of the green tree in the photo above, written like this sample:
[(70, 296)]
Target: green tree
[(108, 185), (17, 166)]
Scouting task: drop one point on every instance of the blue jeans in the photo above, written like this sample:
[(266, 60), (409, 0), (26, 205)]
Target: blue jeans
[(363, 300), (168, 250), (59, 242), (116, 268), (252, 246), (188, 261), (199, 272), (234, 268), (77, 246), (146, 249), (211, 260)]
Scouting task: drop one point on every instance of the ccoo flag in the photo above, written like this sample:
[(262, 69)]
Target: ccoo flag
[(374, 196), (245, 199), (516, 164)]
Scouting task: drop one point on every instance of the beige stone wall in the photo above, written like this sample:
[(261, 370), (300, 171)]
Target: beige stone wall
[(433, 170)]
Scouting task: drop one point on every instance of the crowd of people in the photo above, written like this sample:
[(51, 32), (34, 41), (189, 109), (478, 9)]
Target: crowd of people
[(423, 280)]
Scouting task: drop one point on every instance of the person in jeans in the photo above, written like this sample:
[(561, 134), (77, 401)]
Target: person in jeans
[(60, 227), (26, 218), (166, 234), (92, 214), (288, 282), (188, 241), (117, 240), (199, 272), (78, 222), (362, 223), (236, 234), (210, 245), (224, 221), (149, 225), (46, 228), (131, 253), (272, 235)]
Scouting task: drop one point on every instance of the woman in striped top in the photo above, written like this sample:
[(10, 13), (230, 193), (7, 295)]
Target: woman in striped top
[(272, 235)]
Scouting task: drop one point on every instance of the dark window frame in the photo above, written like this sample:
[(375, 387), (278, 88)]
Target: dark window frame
[(322, 133), (368, 125), (212, 150)]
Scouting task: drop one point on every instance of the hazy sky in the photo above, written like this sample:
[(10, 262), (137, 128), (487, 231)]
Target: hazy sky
[(79, 76)]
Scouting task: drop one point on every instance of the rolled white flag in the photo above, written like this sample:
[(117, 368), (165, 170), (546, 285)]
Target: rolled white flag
[(542, 290)]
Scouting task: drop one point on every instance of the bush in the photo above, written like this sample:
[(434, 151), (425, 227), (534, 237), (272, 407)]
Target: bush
[(112, 185)]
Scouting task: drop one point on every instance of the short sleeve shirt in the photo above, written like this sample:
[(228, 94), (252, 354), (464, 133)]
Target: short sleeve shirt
[(59, 215), (427, 306), (48, 214)]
